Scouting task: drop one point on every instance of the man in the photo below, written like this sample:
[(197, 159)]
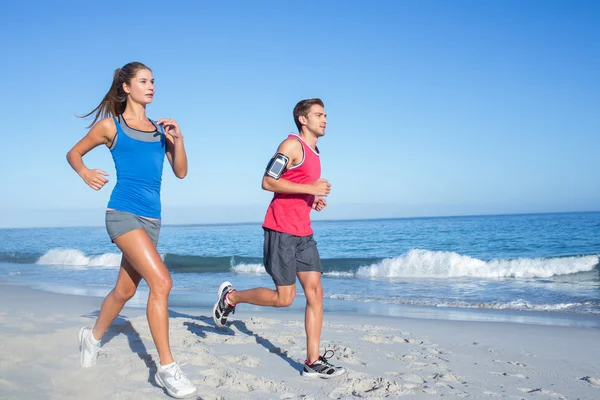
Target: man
[(290, 251)]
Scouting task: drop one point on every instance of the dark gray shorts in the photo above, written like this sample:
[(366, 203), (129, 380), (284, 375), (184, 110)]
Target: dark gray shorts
[(120, 222), (285, 255)]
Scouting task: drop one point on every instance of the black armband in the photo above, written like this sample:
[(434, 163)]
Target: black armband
[(277, 166)]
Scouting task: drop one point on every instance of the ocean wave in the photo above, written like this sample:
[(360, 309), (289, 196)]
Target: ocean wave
[(440, 264), (416, 263), (249, 269), (76, 259), (588, 307)]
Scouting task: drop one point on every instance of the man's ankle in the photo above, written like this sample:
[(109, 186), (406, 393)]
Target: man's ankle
[(229, 300)]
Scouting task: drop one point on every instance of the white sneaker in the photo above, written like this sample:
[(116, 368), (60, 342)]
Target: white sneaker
[(174, 381), (89, 351)]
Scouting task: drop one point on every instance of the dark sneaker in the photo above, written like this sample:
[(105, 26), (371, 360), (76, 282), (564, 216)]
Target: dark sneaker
[(322, 368), (221, 310)]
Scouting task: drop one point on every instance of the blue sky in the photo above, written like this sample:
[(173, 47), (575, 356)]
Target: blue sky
[(435, 107)]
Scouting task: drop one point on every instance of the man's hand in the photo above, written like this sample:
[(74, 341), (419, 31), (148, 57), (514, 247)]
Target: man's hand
[(321, 187), (319, 203)]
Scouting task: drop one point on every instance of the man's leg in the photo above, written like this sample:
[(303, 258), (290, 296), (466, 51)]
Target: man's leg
[(282, 297), (308, 265), (280, 263), (313, 317)]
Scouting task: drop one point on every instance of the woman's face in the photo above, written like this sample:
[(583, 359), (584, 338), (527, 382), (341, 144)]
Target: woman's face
[(141, 87)]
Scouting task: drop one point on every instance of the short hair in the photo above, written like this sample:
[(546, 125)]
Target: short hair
[(302, 109)]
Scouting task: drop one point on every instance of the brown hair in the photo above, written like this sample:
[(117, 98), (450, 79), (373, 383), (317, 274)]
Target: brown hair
[(115, 101), (302, 109)]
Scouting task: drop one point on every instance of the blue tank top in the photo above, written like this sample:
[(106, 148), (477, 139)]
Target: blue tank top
[(139, 157)]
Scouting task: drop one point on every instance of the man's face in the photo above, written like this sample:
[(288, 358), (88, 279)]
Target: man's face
[(316, 120)]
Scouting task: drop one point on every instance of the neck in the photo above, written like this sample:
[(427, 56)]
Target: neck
[(309, 138), (135, 111)]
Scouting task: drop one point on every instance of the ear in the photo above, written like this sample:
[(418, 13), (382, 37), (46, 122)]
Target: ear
[(126, 88), (303, 120)]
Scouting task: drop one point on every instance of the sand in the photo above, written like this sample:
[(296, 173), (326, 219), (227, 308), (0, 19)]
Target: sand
[(260, 355)]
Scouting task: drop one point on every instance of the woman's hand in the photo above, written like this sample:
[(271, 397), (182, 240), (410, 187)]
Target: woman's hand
[(95, 178), (171, 127)]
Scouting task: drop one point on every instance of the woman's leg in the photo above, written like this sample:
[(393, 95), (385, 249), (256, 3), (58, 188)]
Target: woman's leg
[(127, 283), (141, 254)]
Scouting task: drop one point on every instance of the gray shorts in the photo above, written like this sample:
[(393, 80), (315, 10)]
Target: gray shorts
[(285, 255), (120, 222)]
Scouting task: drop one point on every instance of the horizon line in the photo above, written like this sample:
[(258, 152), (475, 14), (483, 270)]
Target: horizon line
[(332, 220)]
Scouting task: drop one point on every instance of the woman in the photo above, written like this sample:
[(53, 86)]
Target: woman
[(138, 146)]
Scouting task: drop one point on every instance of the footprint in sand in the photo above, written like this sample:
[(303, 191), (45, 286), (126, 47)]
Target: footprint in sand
[(517, 363), (520, 364), (390, 339), (346, 354), (262, 321), (519, 376), (433, 350), (413, 378), (408, 357), (238, 381), (295, 323), (288, 340), (591, 380), (542, 392), (211, 396), (246, 361), (200, 356), (292, 396), (448, 378), (359, 385), (493, 394)]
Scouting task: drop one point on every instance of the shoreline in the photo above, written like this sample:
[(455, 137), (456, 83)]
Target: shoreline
[(348, 307)]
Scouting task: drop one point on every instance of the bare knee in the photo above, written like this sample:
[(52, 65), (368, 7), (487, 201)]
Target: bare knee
[(285, 299), (161, 286), (124, 294), (314, 294)]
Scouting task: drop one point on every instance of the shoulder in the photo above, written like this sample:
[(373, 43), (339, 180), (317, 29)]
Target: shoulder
[(106, 123), (105, 127), (290, 145)]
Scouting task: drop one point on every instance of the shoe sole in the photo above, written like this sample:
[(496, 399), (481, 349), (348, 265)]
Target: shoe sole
[(219, 292), (313, 375), (160, 383)]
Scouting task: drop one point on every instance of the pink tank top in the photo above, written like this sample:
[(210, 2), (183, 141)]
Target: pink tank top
[(290, 213)]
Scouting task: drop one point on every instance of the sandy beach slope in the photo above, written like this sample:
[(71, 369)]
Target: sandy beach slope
[(259, 356)]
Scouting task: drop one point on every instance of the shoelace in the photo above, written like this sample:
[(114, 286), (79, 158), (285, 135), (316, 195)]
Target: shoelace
[(324, 358), (100, 352), (228, 310), (179, 375)]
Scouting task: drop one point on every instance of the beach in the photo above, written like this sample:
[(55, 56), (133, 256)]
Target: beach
[(260, 353)]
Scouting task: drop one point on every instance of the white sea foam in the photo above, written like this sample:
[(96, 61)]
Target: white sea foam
[(339, 274), (439, 264), (520, 304), (76, 259), (249, 269)]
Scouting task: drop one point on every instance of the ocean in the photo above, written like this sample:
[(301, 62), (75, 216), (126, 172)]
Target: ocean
[(528, 263)]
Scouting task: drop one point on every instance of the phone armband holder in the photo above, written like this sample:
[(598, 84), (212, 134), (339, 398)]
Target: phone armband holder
[(277, 166)]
